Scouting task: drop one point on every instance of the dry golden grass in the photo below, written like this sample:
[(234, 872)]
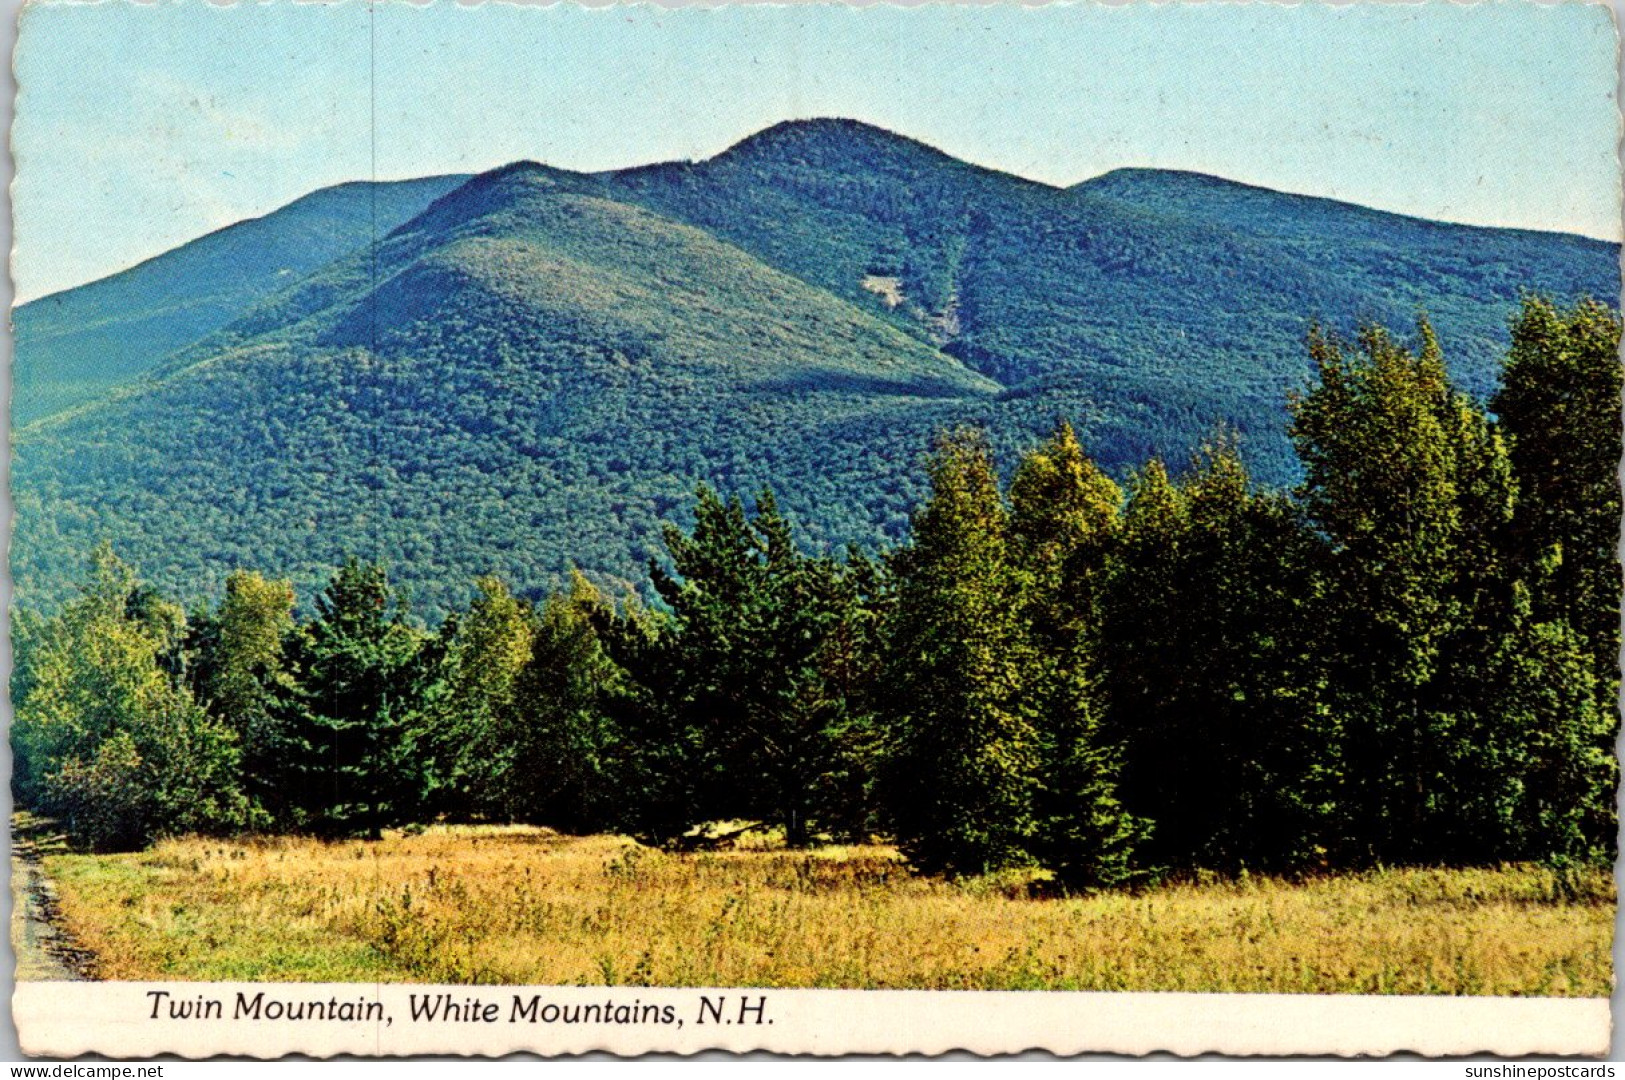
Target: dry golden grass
[(519, 905)]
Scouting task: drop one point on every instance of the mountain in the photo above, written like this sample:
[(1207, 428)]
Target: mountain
[(1131, 281), (74, 345), (533, 371), (523, 378), (1466, 278)]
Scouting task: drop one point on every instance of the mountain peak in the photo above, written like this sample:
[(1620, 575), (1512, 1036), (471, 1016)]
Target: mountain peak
[(493, 191), (823, 127), (832, 141)]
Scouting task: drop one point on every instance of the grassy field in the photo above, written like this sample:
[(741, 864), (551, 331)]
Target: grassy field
[(516, 905)]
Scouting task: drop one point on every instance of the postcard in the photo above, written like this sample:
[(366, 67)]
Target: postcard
[(815, 528)]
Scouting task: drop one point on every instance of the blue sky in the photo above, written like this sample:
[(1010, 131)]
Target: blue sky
[(140, 127)]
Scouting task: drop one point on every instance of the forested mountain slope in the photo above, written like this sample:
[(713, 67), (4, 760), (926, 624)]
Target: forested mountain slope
[(1139, 284), (1466, 277), (527, 377), (534, 371), (74, 345)]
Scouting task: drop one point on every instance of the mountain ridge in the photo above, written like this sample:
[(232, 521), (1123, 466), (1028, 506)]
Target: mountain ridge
[(75, 344), (1129, 173), (102, 360), (530, 372), (559, 368)]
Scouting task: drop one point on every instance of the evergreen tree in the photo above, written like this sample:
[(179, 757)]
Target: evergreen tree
[(1212, 686), (807, 710), (842, 672), (1064, 518), (714, 596), (654, 766), (1141, 648), (965, 751), (359, 704), (757, 673)]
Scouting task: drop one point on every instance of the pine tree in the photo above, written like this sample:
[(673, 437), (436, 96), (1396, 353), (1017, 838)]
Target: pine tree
[(359, 706), (715, 595), (1064, 518), (1251, 575), (1142, 650), (756, 668), (809, 704), (964, 747), (654, 764)]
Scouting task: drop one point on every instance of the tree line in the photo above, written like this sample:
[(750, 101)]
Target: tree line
[(1410, 657)]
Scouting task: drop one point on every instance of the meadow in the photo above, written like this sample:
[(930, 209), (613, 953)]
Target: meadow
[(530, 906)]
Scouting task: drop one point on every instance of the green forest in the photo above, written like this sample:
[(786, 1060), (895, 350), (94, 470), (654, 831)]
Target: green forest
[(527, 372), (1410, 657)]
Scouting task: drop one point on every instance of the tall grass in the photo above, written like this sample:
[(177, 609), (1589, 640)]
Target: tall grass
[(514, 905)]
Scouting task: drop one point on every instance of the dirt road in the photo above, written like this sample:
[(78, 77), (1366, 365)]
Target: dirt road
[(42, 953)]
